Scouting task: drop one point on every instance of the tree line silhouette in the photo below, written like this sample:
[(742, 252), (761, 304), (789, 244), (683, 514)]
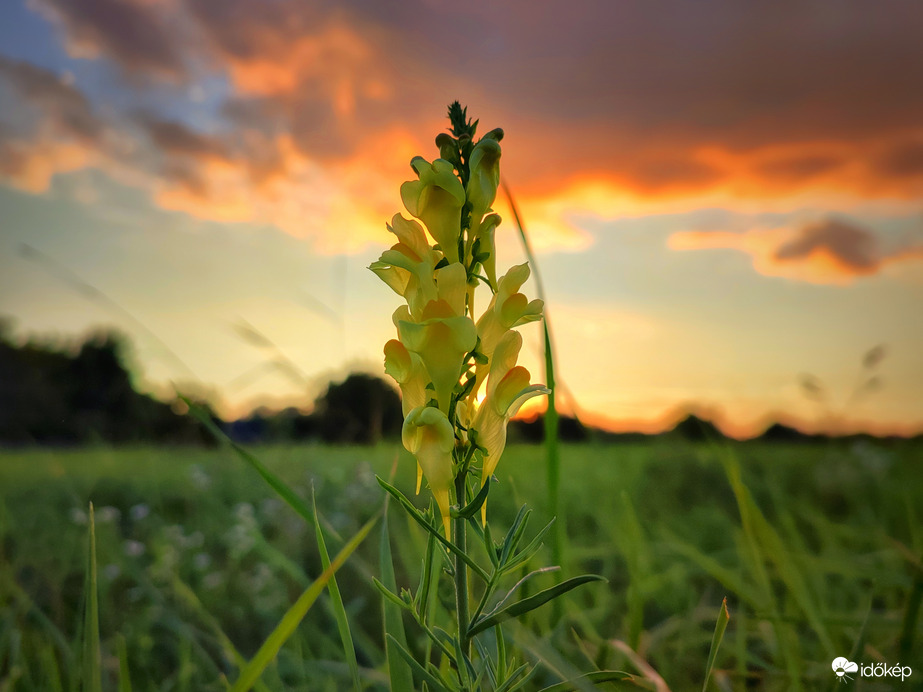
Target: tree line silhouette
[(83, 393)]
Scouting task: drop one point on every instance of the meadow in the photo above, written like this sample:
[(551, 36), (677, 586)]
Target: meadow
[(817, 548)]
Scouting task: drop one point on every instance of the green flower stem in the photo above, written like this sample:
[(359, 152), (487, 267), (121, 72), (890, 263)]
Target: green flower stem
[(461, 569)]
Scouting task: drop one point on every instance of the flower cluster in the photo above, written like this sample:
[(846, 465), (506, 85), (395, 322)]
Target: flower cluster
[(459, 378)]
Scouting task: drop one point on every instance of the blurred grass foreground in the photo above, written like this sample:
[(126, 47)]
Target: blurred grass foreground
[(817, 548)]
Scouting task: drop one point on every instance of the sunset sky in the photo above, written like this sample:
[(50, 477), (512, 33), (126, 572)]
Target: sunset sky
[(724, 196)]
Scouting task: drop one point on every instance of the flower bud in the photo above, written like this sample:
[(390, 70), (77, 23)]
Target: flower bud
[(436, 199), (484, 166)]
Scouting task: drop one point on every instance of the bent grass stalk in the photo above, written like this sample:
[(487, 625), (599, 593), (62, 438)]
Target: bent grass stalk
[(552, 451)]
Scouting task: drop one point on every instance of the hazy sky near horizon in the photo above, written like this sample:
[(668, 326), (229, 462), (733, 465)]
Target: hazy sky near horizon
[(724, 196)]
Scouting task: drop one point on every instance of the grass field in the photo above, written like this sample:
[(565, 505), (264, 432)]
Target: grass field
[(817, 548)]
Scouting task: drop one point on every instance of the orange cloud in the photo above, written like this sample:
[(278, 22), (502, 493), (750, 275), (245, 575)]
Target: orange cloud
[(341, 206), (827, 252)]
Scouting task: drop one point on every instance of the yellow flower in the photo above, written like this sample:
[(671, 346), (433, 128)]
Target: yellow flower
[(410, 374), (485, 233), (508, 308), (428, 435), (508, 388), (436, 199), (407, 267), (441, 338)]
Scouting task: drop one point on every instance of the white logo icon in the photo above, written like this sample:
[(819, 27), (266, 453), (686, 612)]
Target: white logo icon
[(841, 666)]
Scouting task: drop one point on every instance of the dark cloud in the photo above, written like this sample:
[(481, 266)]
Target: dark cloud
[(140, 36), (799, 168), (903, 160), (755, 99), (830, 251), (853, 247), (731, 74), (175, 138), (60, 104)]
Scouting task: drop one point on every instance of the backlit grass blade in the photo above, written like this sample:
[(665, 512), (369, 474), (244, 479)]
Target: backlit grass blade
[(289, 622), (91, 673), (339, 612), (552, 450), (720, 626)]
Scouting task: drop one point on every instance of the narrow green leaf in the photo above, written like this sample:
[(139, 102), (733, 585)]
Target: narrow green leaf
[(420, 671), (488, 662), (472, 507), (594, 677), (531, 603), (421, 520), (289, 622), (339, 611), (534, 573), (524, 555), (91, 673), (514, 534), (426, 579), (524, 673), (399, 672), (720, 626)]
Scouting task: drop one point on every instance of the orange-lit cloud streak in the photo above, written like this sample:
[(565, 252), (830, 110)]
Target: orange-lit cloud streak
[(609, 124), (826, 252)]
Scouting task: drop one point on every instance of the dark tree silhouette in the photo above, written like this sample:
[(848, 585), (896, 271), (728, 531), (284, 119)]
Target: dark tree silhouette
[(52, 395), (360, 410)]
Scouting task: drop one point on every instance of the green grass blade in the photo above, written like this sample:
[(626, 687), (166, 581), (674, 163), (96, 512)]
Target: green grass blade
[(339, 611), (398, 670), (552, 449), (289, 622), (124, 675), (91, 669), (720, 626), (531, 603), (772, 547)]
